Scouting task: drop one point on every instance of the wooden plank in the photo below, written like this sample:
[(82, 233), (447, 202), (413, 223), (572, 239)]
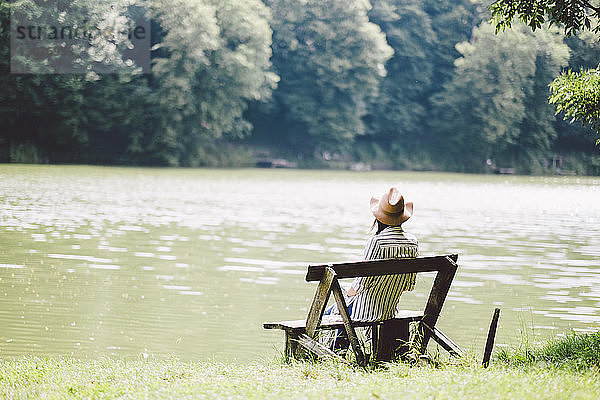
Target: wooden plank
[(317, 348), (489, 345), (444, 341), (380, 267), (336, 321), (343, 309), (315, 314), (437, 297)]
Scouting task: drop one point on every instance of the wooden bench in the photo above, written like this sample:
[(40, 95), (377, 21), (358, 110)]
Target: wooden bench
[(388, 337)]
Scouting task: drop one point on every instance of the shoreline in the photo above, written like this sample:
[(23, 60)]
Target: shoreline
[(300, 169)]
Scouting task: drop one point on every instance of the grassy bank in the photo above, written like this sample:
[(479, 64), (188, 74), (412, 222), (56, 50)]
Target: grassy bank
[(512, 375), (576, 352)]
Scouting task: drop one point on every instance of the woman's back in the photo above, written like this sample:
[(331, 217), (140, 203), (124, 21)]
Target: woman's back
[(377, 297)]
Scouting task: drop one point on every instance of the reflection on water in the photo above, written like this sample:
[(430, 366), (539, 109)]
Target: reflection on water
[(120, 261)]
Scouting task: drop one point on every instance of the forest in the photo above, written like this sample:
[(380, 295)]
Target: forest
[(381, 84)]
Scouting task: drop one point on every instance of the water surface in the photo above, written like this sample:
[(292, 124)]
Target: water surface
[(147, 262)]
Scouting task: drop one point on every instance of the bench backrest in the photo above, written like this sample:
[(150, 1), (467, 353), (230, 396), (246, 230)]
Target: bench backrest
[(383, 267)]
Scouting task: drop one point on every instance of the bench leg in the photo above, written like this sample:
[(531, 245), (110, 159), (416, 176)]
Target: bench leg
[(291, 345), (374, 340), (393, 340)]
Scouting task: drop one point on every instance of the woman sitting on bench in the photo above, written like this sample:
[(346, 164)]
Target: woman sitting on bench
[(375, 298)]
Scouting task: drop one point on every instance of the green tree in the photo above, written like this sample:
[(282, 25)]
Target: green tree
[(573, 15), (214, 57), (489, 109), (452, 22), (330, 59), (44, 111), (577, 95), (574, 93), (397, 113), (86, 36), (576, 137), (210, 58), (34, 110), (538, 132), (122, 122)]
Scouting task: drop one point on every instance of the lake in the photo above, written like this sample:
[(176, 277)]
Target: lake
[(188, 263)]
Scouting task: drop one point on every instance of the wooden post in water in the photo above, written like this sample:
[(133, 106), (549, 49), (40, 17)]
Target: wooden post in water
[(489, 345)]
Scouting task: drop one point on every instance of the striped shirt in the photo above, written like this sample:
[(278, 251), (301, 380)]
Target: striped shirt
[(377, 296)]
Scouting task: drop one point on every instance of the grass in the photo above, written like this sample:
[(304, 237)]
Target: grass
[(578, 352), (513, 374)]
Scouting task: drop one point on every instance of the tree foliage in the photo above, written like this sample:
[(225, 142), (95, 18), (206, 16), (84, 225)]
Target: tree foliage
[(573, 15), (210, 58), (575, 94), (86, 36), (330, 58), (490, 109), (396, 113), (213, 57), (396, 83)]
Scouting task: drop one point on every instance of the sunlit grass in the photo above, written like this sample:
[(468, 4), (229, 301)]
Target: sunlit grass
[(575, 351), (64, 378), (563, 368)]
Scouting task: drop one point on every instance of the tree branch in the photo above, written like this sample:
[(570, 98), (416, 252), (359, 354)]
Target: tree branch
[(589, 5)]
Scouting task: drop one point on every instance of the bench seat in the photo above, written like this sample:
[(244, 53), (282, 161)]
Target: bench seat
[(336, 321)]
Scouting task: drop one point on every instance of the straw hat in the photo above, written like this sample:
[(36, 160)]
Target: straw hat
[(391, 208)]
